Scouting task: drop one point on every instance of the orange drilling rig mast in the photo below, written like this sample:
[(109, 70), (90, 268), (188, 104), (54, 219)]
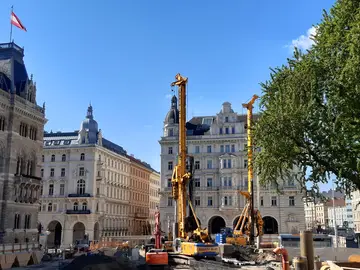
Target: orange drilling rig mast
[(180, 178), (199, 244), (249, 107)]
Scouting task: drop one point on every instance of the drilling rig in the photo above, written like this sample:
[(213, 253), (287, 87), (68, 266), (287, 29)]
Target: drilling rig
[(244, 230), (199, 242)]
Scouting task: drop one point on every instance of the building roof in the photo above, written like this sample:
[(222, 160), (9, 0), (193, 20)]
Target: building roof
[(339, 202), (70, 139)]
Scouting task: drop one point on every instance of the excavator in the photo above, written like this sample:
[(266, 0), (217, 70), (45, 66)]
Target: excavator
[(244, 230), (199, 242)]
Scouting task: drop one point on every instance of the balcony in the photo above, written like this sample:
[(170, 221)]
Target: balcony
[(75, 195), (27, 179), (78, 212)]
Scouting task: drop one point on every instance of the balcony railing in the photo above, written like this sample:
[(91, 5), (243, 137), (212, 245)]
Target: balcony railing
[(78, 212), (75, 195), (27, 179)]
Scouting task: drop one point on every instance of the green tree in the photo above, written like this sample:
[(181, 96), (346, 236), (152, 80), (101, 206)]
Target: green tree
[(310, 107)]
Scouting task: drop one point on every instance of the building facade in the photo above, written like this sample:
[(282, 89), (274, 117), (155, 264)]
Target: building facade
[(356, 211), (139, 197), (87, 186), (218, 144), (21, 132), (154, 197), (343, 214)]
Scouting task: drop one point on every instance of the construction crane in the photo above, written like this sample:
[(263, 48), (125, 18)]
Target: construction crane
[(244, 230), (199, 243)]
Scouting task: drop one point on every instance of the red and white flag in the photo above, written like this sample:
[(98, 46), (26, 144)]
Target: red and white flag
[(15, 21)]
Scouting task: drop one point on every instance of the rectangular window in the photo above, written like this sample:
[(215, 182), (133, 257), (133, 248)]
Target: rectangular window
[(209, 148), (261, 201), (197, 201), (51, 189), (233, 148), (245, 163), (52, 172), (197, 149), (226, 119), (291, 201), (227, 130), (209, 182), (170, 165), (197, 165), (169, 183), (227, 148), (62, 189), (229, 163), (229, 181), (170, 201), (225, 182), (221, 149), (42, 173), (197, 182), (210, 201), (81, 171), (233, 130), (230, 200), (220, 131), (224, 164), (273, 201), (170, 150), (209, 164), (62, 172)]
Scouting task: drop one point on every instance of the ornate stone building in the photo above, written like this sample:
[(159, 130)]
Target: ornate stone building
[(218, 144), (21, 133), (88, 184)]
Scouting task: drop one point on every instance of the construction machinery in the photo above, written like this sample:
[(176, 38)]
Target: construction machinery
[(198, 243), (244, 230), (157, 256)]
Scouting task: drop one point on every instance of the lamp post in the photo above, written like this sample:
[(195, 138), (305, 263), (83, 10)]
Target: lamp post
[(47, 233)]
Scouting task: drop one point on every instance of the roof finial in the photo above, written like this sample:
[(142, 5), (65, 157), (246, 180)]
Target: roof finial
[(90, 112)]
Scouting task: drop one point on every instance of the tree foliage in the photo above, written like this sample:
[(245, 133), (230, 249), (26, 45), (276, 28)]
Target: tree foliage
[(310, 107)]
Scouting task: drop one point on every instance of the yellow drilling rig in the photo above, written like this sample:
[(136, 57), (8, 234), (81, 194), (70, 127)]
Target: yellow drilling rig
[(244, 230), (198, 243)]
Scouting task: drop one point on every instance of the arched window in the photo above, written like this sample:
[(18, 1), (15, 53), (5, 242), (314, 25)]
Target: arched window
[(50, 207), (76, 206), (17, 221), (84, 206), (52, 158), (80, 186), (82, 156), (63, 158)]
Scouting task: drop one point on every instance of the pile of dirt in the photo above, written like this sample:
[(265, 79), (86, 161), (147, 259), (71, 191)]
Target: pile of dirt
[(96, 262), (247, 254)]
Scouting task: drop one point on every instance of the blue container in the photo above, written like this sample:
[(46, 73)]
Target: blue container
[(220, 238)]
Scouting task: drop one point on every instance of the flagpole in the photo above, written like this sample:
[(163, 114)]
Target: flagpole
[(11, 26)]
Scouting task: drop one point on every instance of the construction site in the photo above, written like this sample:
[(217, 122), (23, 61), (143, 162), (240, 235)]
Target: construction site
[(191, 247)]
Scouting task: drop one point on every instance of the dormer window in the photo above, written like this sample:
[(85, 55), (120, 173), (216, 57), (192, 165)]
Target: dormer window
[(171, 132)]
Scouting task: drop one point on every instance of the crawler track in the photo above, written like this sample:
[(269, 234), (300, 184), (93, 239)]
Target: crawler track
[(211, 263)]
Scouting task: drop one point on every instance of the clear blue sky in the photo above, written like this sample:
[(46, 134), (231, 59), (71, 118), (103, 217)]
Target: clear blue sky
[(122, 55)]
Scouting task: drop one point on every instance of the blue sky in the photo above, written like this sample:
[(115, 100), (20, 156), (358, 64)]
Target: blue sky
[(122, 55)]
